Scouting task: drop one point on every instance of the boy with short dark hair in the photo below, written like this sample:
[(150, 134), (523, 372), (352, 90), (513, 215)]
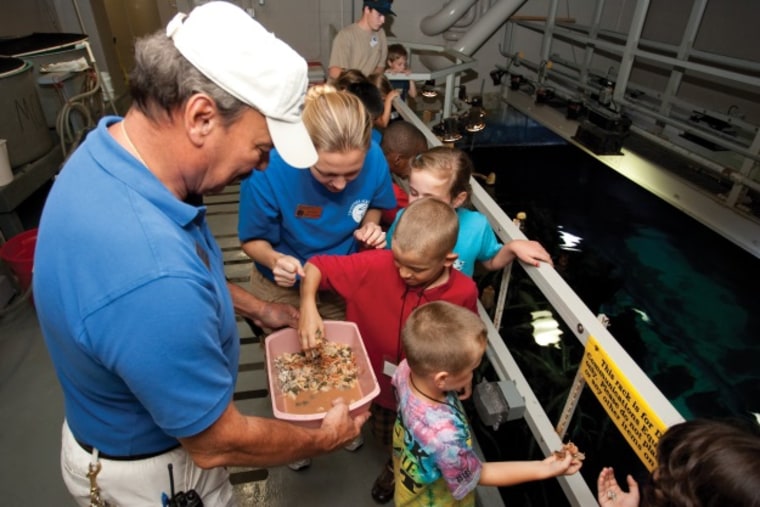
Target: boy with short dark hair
[(401, 142), (433, 459), (381, 288)]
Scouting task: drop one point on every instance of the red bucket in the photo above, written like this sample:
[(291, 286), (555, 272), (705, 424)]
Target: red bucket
[(18, 254)]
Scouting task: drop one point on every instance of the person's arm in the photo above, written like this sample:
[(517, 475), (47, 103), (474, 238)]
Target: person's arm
[(285, 268), (370, 234), (530, 252), (310, 324), (174, 361), (412, 89), (339, 54), (509, 473), (388, 108), (238, 440), (333, 72), (262, 313)]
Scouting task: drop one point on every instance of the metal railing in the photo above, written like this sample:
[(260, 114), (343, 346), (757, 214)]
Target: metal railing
[(607, 367), (666, 112)]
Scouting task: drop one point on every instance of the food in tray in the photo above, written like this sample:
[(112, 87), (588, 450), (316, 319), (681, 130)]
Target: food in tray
[(333, 367)]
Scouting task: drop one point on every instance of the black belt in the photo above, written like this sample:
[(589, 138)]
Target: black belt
[(134, 457)]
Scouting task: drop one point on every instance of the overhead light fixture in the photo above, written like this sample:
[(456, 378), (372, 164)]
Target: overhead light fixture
[(428, 90), (497, 75), (448, 130), (475, 120), (515, 80)]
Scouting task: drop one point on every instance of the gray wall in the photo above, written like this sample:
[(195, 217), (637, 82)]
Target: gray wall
[(728, 29)]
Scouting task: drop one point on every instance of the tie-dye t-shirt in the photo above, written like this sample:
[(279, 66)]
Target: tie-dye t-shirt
[(433, 459)]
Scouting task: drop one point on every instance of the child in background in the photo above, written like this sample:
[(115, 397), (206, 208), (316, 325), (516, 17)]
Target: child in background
[(401, 142), (398, 63), (373, 102), (387, 93), (381, 288), (349, 76), (444, 173), (433, 459), (356, 83), (699, 463)]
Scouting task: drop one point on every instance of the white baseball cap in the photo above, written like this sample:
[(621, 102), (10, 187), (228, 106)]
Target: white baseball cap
[(239, 55)]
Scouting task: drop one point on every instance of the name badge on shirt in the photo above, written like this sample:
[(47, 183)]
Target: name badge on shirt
[(306, 211), (373, 41), (389, 368)]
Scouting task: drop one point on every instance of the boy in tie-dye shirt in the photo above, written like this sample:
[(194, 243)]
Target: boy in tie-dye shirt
[(433, 459)]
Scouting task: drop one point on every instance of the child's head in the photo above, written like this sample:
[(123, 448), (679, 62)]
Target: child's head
[(445, 343), (402, 141), (349, 77), (423, 241), (370, 97), (397, 58), (704, 462), (383, 84), (443, 173)]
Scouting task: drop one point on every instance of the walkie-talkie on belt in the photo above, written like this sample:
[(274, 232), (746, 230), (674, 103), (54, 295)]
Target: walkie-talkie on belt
[(181, 499)]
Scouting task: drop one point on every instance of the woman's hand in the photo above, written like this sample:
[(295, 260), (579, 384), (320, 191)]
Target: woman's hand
[(609, 493), (370, 235), (286, 271)]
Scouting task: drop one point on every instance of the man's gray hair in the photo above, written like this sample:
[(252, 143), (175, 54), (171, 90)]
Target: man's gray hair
[(162, 80)]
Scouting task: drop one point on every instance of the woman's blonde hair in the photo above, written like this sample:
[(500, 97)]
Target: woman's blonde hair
[(337, 121)]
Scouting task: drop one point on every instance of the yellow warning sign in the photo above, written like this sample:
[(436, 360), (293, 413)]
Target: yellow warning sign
[(630, 412)]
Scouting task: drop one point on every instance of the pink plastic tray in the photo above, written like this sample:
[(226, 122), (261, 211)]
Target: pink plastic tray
[(286, 341)]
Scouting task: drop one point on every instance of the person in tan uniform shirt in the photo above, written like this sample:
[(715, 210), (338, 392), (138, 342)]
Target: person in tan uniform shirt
[(362, 45)]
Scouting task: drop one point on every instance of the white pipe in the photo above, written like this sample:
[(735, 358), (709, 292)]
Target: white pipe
[(480, 31), (496, 16), (446, 17)]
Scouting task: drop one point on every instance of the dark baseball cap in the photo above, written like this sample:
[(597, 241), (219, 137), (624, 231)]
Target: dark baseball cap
[(380, 6)]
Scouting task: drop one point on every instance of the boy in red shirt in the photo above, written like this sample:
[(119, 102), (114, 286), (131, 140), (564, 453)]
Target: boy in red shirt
[(381, 289)]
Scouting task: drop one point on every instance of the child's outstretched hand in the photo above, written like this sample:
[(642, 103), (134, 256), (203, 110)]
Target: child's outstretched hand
[(311, 327), (567, 465), (609, 493), (566, 461), (530, 252)]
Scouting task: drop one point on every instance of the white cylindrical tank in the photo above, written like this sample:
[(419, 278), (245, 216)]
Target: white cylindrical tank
[(24, 125)]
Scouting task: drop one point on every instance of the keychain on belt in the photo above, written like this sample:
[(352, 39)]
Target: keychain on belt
[(92, 474)]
